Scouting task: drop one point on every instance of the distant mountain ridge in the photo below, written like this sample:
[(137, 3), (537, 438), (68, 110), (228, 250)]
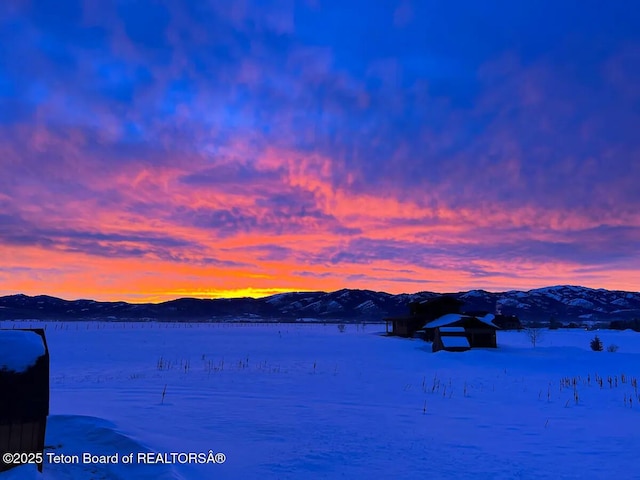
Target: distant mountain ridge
[(563, 303)]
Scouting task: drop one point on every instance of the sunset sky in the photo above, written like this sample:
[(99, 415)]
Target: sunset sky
[(151, 150)]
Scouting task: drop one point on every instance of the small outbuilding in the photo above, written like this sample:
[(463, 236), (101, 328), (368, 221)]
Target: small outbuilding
[(459, 332), (451, 339), (24, 392)]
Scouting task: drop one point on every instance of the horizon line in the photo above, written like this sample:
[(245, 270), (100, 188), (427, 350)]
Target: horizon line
[(148, 298)]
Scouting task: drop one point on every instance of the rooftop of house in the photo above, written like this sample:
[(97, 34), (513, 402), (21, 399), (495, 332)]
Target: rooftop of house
[(450, 318), (442, 299)]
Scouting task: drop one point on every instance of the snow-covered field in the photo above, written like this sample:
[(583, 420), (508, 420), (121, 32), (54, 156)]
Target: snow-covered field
[(309, 401)]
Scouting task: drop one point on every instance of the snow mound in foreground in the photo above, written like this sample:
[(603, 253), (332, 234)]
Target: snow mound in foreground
[(19, 349), (75, 435)]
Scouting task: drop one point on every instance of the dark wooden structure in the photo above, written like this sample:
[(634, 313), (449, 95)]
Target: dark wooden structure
[(507, 322), (403, 326), (24, 400), (420, 313), (451, 339), (436, 307), (480, 332)]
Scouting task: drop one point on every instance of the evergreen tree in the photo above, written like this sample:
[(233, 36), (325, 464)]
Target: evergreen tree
[(596, 344)]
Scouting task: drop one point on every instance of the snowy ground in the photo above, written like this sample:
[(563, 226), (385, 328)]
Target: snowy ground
[(309, 401)]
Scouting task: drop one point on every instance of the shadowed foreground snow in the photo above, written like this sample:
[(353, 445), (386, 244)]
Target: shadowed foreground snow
[(309, 401)]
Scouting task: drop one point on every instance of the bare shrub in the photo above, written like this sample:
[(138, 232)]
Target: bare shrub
[(534, 334)]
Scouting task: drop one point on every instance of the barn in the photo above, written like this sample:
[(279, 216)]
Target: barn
[(24, 383)]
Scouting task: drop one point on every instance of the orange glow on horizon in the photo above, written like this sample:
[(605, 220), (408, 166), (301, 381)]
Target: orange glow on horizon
[(222, 241)]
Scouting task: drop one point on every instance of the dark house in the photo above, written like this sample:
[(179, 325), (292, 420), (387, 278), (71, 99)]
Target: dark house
[(421, 313), (507, 322), (436, 307), (405, 326), (24, 392), (450, 331)]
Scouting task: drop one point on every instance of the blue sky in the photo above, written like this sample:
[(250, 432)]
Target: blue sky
[(156, 149)]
